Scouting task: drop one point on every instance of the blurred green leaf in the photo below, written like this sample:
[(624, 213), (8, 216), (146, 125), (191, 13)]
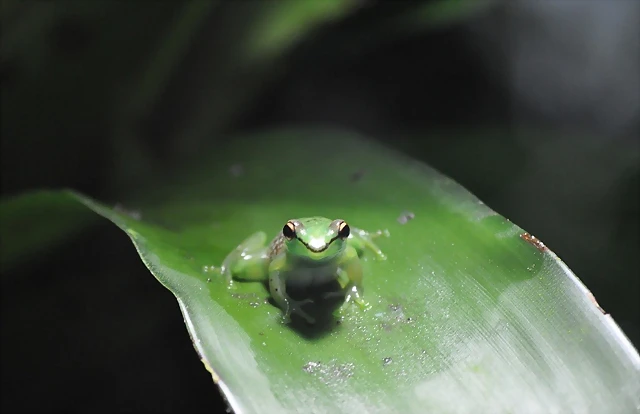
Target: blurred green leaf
[(245, 56), (440, 12), (468, 314), (75, 59), (32, 222), (167, 55), (231, 51), (283, 24)]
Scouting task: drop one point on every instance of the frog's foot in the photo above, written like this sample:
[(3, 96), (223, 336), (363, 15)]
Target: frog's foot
[(246, 261), (295, 307), (380, 255), (364, 241), (362, 304), (225, 271), (232, 286), (353, 295), (374, 247)]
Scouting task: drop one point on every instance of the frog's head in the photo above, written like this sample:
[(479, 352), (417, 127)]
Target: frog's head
[(315, 238)]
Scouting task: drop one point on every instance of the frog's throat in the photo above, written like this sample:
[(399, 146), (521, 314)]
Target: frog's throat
[(314, 261)]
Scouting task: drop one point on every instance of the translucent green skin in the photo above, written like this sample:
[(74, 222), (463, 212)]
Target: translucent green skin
[(316, 254)]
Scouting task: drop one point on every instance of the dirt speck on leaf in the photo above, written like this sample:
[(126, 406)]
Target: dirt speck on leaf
[(357, 176), (405, 216), (395, 316), (595, 302), (330, 372), (386, 326), (311, 366), (236, 170), (533, 240)]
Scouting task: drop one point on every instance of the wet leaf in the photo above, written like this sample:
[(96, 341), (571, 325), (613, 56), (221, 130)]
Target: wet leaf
[(469, 313)]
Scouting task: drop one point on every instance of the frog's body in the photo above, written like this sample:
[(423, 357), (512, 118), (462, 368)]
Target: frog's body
[(307, 252)]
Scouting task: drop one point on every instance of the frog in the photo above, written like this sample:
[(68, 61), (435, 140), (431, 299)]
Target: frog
[(307, 252)]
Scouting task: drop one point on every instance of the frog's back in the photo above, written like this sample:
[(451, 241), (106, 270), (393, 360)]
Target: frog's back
[(314, 221)]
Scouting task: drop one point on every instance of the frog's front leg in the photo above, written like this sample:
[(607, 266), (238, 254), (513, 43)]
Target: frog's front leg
[(349, 275), (248, 261), (278, 289), (362, 240)]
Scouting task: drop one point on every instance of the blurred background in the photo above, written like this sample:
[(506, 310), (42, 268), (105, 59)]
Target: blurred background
[(532, 105)]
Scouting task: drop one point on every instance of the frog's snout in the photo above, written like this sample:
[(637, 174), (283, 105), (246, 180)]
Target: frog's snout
[(317, 245)]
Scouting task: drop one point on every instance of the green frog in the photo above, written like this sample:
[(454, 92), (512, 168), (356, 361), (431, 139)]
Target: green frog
[(307, 252)]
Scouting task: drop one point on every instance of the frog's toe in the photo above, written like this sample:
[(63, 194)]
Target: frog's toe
[(229, 282), (286, 317), (310, 319), (303, 314), (355, 297), (225, 272), (294, 307)]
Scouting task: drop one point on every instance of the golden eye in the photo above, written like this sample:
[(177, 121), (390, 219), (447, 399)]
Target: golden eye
[(289, 230), (343, 230)]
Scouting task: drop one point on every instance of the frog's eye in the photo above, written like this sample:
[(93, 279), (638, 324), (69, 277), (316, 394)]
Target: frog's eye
[(289, 230), (343, 230)]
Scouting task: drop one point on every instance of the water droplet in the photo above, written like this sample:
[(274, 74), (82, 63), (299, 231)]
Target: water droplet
[(387, 361)]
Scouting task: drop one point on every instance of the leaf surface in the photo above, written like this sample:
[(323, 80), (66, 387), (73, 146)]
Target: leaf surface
[(468, 312)]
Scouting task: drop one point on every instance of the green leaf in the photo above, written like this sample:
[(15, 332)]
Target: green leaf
[(260, 34), (32, 222), (237, 44), (283, 24), (442, 12), (468, 313)]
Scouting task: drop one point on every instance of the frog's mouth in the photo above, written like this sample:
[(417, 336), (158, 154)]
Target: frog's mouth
[(317, 248)]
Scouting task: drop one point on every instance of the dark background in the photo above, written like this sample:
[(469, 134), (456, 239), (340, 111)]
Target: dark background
[(531, 105)]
